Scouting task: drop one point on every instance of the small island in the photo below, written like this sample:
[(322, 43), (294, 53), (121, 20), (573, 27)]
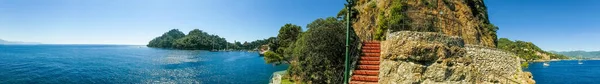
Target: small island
[(200, 40)]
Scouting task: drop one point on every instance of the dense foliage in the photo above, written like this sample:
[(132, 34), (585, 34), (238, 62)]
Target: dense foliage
[(490, 30), (288, 34), (394, 19), (166, 40), (526, 50), (256, 44), (200, 40), (272, 57), (319, 52)]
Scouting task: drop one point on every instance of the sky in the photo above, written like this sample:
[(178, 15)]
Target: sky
[(556, 25), (139, 21)]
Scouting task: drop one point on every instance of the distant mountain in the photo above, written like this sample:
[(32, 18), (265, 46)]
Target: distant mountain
[(4, 42), (584, 54)]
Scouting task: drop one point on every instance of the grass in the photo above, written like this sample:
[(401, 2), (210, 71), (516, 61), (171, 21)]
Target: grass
[(285, 80), (525, 64)]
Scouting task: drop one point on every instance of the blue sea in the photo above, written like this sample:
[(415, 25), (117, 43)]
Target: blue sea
[(109, 64), (566, 72)]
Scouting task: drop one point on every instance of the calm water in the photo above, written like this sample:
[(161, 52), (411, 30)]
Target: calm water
[(566, 72), (84, 64)]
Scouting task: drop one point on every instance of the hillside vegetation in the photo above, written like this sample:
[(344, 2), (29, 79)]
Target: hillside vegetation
[(200, 40), (282, 48), (527, 50)]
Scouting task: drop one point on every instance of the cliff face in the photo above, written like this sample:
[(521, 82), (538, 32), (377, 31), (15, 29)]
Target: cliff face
[(464, 18), (436, 41), (428, 57)]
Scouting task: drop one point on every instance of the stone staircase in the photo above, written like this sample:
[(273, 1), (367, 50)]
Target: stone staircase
[(367, 71)]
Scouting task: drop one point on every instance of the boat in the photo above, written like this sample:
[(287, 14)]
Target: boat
[(580, 62), (546, 64), (263, 49), (261, 53), (214, 50)]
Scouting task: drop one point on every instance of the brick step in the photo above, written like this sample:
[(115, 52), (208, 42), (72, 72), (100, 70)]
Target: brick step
[(366, 72), (371, 51), (365, 78), (369, 58), (371, 45), (376, 48), (363, 62), (362, 82), (368, 67), (371, 54), (371, 42)]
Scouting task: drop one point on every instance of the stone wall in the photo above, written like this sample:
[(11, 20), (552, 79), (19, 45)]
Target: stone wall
[(427, 57)]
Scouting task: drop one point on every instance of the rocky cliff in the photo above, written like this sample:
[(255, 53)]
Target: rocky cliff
[(433, 57), (467, 19)]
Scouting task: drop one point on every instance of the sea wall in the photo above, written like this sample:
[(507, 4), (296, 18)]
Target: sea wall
[(428, 57)]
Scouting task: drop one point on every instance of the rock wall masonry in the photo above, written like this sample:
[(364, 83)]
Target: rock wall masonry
[(427, 57)]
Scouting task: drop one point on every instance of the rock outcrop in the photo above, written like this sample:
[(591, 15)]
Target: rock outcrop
[(431, 57), (464, 18)]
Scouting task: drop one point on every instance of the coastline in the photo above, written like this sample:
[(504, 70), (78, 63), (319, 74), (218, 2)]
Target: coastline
[(560, 60)]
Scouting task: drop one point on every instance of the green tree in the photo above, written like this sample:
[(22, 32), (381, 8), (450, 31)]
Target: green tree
[(200, 40), (319, 52), (195, 39), (394, 20), (288, 34), (166, 40), (490, 30), (275, 58)]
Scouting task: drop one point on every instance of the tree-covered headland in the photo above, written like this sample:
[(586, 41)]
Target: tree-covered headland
[(527, 50), (200, 40)]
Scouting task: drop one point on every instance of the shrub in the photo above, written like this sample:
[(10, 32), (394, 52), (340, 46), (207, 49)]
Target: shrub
[(319, 52), (272, 57), (525, 64), (392, 19)]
